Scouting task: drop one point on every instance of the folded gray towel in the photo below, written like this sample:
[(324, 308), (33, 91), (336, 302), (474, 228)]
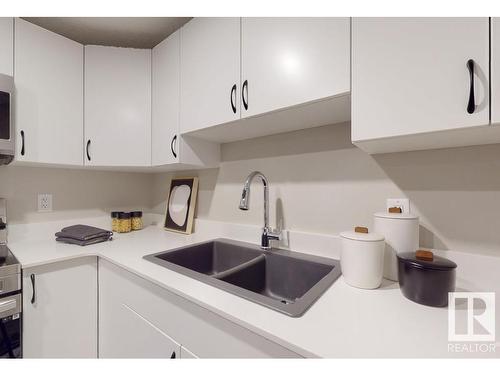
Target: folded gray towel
[(83, 235), (83, 243)]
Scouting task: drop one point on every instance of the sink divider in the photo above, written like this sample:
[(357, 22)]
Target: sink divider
[(239, 267)]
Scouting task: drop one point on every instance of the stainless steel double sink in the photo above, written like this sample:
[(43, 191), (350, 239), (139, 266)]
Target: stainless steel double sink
[(286, 281)]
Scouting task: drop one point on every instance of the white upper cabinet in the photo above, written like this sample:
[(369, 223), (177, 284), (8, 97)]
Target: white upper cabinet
[(495, 70), (168, 147), (291, 61), (7, 46), (49, 96), (298, 64), (210, 72), (420, 75), (117, 106), (165, 101)]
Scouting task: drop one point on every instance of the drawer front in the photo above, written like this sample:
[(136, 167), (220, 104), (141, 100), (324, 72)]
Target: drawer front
[(10, 305), (10, 283), (127, 334), (206, 334)]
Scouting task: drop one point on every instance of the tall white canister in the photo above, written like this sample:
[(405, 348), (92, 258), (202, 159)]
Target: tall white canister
[(401, 235), (362, 258)]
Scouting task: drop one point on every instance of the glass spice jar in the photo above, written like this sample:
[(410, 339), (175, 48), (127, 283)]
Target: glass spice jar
[(114, 221), (137, 223), (124, 222)]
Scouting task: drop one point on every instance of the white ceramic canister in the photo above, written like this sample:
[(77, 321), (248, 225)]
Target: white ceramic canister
[(362, 259), (401, 235)]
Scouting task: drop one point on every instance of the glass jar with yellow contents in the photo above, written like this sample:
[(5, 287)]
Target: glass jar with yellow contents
[(124, 222), (114, 221), (136, 217)]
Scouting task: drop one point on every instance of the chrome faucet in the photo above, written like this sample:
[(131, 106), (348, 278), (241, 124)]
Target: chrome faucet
[(268, 234)]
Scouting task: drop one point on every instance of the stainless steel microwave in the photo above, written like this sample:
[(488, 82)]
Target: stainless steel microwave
[(7, 135)]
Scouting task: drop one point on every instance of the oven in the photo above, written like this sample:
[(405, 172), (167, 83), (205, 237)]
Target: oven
[(10, 306), (10, 326)]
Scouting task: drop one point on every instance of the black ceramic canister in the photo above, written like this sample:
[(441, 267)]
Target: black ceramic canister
[(426, 281)]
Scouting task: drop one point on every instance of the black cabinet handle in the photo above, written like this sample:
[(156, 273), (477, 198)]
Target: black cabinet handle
[(172, 146), (22, 142), (471, 106), (87, 150), (173, 355), (33, 296), (244, 94), (233, 98)]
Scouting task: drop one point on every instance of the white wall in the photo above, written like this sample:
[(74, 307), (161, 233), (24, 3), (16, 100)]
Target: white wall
[(76, 193), (321, 183)]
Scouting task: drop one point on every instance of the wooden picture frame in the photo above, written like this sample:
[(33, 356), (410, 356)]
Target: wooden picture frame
[(181, 205)]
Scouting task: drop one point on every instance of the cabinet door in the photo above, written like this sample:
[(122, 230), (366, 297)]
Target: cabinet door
[(126, 334), (49, 96), (210, 73), (117, 106), (495, 70), (6, 46), (291, 61), (60, 310), (165, 101), (410, 75)]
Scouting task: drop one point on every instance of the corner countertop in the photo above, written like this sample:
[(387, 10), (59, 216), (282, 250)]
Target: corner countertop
[(343, 322)]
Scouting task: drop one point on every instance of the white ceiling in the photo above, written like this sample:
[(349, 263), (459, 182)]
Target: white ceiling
[(137, 32)]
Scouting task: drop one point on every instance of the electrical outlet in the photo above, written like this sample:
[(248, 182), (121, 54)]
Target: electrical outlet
[(403, 203), (44, 202)]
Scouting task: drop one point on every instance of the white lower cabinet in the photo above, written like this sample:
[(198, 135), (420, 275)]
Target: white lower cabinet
[(126, 334), (139, 319), (60, 310), (81, 309)]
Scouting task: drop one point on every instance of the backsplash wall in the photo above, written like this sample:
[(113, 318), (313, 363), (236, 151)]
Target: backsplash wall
[(320, 182), (76, 193)]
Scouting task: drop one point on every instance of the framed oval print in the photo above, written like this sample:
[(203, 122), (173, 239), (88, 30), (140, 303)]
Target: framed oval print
[(181, 204)]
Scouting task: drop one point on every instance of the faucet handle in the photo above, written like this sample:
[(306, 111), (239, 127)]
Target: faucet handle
[(274, 234), (267, 235)]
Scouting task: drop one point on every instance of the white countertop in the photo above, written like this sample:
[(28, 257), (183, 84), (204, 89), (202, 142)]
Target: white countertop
[(344, 322)]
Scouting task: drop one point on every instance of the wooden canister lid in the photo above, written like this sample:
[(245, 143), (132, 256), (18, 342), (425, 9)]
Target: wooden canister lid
[(361, 229), (424, 255), (395, 210)]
